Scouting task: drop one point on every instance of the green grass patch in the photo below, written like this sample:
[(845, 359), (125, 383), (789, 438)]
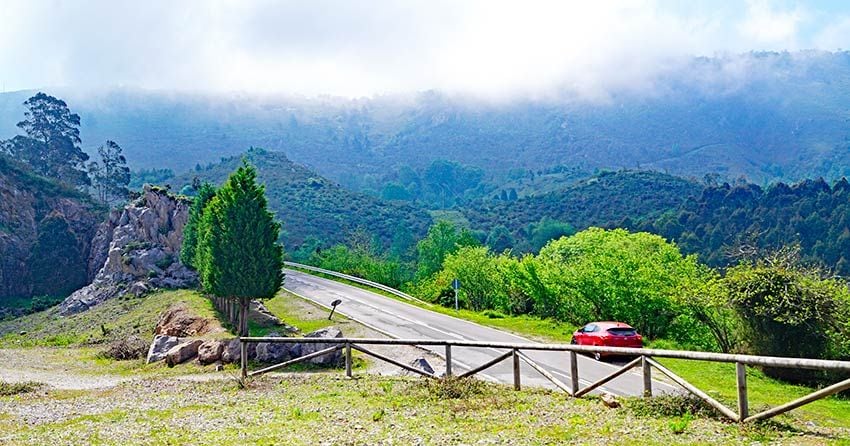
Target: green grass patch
[(114, 319), (718, 380), (321, 408), (9, 389)]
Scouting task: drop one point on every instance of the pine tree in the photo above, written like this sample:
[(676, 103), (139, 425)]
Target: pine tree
[(188, 251), (238, 256)]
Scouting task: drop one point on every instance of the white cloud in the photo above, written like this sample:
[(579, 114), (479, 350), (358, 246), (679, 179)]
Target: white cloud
[(490, 48)]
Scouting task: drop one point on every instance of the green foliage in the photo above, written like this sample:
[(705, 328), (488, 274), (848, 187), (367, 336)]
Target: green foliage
[(362, 263), (8, 389), (237, 254), (188, 250), (51, 147), (789, 309), (56, 263), (443, 239), (149, 176), (111, 177), (638, 278), (41, 303)]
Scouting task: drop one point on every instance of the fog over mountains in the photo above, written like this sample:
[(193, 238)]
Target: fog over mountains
[(765, 116)]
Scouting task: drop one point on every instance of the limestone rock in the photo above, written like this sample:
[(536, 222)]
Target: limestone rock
[(610, 401), (136, 250), (271, 352), (179, 321), (422, 364), (160, 346), (330, 359), (260, 315), (210, 352), (182, 352)]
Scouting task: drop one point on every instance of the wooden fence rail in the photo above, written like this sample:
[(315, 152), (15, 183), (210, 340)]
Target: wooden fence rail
[(643, 358)]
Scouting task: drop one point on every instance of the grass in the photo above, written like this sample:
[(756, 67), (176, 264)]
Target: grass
[(113, 319), (716, 378), (9, 389), (297, 312), (327, 409)]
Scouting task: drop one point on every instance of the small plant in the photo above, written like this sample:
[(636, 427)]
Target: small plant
[(670, 406), (165, 262), (493, 314), (680, 425), (452, 387), (132, 347), (377, 416), (387, 387), (8, 389)]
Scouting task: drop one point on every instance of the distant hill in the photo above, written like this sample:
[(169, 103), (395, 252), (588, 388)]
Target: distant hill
[(310, 205), (767, 116), (606, 199)]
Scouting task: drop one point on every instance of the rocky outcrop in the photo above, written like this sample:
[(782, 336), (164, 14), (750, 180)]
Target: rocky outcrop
[(180, 321), (26, 202), (139, 248), (269, 352)]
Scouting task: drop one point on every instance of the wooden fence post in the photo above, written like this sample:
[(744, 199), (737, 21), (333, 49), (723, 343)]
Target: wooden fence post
[(647, 377), (348, 359), (517, 385), (243, 358), (574, 372), (743, 402), (448, 360)]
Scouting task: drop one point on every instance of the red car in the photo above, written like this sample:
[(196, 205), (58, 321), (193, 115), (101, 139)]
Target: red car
[(607, 334)]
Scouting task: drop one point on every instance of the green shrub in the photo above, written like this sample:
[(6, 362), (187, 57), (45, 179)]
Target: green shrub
[(8, 389)]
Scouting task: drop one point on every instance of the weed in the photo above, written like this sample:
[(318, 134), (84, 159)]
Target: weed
[(7, 389), (452, 387), (386, 386), (132, 347), (377, 416), (670, 406), (493, 314), (680, 425)]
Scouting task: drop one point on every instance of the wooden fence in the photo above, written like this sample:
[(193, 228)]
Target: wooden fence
[(644, 358)]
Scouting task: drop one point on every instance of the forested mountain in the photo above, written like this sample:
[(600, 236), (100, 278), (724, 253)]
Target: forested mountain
[(606, 199), (767, 116), (312, 207), (727, 222)]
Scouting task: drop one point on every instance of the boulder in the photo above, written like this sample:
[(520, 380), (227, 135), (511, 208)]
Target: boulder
[(260, 315), (610, 401), (160, 346), (330, 359), (182, 352), (178, 320), (273, 353), (232, 351), (210, 352), (422, 364)]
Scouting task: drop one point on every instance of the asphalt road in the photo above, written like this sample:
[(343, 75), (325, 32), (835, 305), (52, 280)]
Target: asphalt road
[(401, 320)]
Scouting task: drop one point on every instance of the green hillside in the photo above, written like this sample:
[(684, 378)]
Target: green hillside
[(312, 206)]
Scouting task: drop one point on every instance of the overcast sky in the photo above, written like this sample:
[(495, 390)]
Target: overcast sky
[(360, 48)]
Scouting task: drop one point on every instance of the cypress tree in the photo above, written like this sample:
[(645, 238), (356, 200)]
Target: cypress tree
[(238, 256), (206, 192)]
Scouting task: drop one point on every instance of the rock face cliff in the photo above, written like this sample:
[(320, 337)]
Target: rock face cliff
[(45, 234), (135, 250)]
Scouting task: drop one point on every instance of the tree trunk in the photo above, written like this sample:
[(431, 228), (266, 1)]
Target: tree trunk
[(243, 316)]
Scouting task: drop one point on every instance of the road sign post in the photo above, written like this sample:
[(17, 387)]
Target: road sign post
[(456, 286)]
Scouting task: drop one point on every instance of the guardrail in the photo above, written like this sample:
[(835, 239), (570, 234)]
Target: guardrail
[(644, 359), (356, 279)]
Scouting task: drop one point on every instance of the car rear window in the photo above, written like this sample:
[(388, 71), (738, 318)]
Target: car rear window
[(619, 331)]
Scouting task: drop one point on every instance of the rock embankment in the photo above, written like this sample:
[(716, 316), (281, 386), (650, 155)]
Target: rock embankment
[(135, 250)]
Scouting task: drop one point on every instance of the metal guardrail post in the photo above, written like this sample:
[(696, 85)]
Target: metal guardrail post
[(448, 360), (574, 372), (517, 384), (743, 402), (348, 359), (647, 377)]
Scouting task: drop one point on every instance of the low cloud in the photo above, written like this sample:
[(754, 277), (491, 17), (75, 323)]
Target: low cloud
[(491, 49)]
